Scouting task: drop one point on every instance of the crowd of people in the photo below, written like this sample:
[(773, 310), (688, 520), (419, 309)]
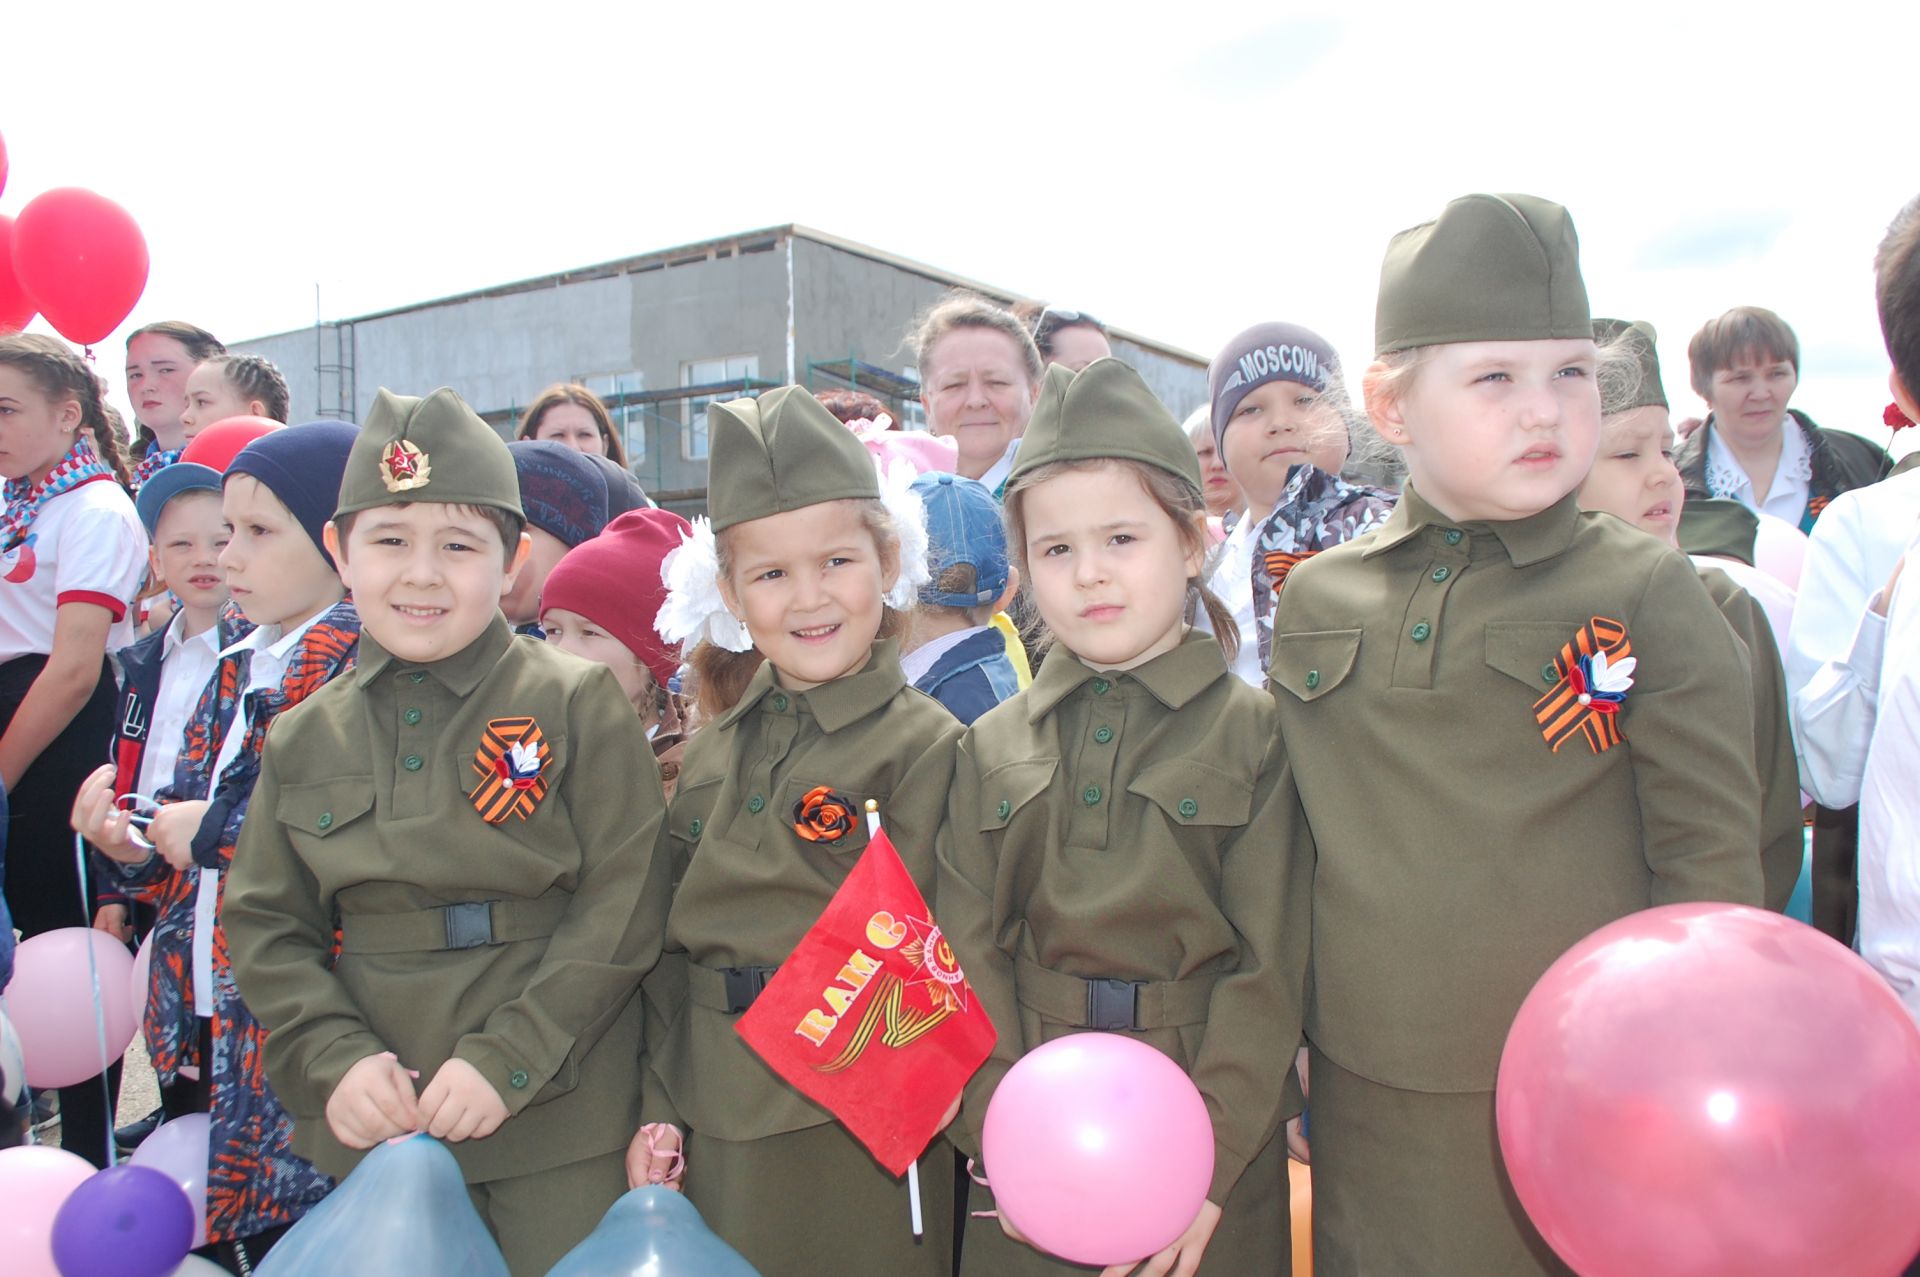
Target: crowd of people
[(1319, 725)]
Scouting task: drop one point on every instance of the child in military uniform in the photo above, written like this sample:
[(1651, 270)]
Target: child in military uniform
[(1634, 479), (475, 814), (1124, 850), (797, 594), (1488, 634)]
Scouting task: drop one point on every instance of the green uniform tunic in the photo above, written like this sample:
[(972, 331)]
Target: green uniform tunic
[(362, 820), (1459, 856), (772, 1172), (1783, 824), (1140, 826)]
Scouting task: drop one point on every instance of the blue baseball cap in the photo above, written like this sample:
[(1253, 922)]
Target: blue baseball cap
[(170, 482), (963, 526)]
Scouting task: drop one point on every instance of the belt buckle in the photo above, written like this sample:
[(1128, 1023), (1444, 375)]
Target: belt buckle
[(1112, 1005), (469, 925), (744, 985)]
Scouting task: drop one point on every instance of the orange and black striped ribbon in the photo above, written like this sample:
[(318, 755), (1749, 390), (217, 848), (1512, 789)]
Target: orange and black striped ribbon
[(496, 798), (1560, 714), (1280, 564)]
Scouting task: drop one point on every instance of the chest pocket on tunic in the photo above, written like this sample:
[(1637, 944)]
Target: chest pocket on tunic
[(325, 807), (1192, 793), (825, 812), (1526, 650), (1007, 789), (1311, 665)]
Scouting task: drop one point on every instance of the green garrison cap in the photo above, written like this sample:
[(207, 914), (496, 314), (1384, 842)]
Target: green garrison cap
[(1104, 411), (783, 451), (1636, 385), (1725, 529), (1489, 268), (432, 449)]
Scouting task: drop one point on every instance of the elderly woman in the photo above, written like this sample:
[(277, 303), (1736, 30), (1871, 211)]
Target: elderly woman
[(979, 380), (573, 415), (1746, 365)]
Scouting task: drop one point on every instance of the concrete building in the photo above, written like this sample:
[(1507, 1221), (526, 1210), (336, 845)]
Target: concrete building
[(660, 336)]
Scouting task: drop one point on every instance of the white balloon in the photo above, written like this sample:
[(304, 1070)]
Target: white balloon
[(13, 1065)]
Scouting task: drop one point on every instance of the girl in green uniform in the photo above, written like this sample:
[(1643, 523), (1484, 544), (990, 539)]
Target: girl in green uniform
[(1527, 722), (795, 597), (1123, 850)]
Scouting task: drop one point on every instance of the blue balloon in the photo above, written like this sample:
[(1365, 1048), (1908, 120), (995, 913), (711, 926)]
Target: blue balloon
[(403, 1210), (652, 1232), (1800, 906)]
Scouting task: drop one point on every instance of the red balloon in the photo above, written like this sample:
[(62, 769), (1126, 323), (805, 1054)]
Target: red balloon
[(16, 308), (1716, 1091), (82, 260)]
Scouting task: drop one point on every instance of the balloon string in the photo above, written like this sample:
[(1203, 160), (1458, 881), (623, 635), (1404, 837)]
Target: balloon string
[(981, 1180), (99, 1004), (653, 1129)]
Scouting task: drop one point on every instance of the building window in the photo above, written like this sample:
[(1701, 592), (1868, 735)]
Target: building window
[(913, 412), (629, 419), (710, 372)]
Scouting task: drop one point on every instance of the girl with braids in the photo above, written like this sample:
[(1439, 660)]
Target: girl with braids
[(232, 386), (72, 553), (159, 359)]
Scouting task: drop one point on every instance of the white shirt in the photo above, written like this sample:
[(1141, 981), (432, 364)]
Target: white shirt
[(997, 472), (1850, 555), (88, 547), (1232, 584), (1792, 478), (185, 666), (1889, 865), (270, 648)]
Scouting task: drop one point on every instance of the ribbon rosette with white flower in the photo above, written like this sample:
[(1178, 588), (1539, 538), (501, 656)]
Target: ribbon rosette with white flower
[(1594, 673)]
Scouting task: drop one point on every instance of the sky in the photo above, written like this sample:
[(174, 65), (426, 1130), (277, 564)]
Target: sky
[(1181, 171)]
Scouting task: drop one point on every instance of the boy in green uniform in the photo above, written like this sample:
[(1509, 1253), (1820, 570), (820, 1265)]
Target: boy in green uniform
[(1512, 723), (474, 816)]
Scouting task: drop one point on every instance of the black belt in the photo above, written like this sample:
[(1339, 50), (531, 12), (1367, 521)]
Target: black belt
[(469, 925), (728, 989), (1111, 1006)]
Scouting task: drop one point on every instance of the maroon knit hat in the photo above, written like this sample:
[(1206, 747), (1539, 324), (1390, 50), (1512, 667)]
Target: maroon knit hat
[(614, 581)]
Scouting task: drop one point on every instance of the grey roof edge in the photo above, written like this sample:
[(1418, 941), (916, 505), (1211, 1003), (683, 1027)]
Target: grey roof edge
[(702, 249)]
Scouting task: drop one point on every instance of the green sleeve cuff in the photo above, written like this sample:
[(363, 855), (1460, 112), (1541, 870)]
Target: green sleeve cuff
[(516, 1081), (328, 1067)]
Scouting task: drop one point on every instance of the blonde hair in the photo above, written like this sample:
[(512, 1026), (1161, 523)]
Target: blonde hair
[(722, 676), (1178, 499), (960, 309)]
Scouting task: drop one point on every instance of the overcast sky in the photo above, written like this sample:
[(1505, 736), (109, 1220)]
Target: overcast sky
[(1182, 170)]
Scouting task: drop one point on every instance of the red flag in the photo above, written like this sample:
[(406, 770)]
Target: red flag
[(871, 1017)]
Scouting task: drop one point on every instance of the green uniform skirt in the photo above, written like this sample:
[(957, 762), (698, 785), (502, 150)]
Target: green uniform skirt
[(1411, 1182), (1254, 1238), (814, 1203)]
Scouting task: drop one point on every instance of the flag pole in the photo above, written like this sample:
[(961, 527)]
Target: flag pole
[(913, 1169)]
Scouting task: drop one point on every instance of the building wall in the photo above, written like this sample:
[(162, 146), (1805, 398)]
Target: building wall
[(499, 350)]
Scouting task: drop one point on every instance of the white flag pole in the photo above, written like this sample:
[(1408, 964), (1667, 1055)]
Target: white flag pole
[(913, 1170)]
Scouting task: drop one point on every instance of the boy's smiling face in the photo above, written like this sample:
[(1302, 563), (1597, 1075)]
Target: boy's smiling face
[(427, 578)]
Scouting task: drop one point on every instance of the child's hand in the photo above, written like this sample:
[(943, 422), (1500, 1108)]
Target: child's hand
[(173, 829), (655, 1157), (113, 920), (373, 1102), (459, 1104), (96, 819), (953, 1111), (1297, 1146), (1182, 1259)]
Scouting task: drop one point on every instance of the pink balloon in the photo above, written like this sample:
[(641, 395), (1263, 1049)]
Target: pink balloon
[(140, 984), (1716, 1091), (82, 259), (51, 1003), (1779, 549), (16, 308), (180, 1150), (1098, 1148), (34, 1182)]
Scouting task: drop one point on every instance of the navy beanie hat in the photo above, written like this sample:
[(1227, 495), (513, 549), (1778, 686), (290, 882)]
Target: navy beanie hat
[(1264, 353), (303, 466), (562, 491), (624, 492)]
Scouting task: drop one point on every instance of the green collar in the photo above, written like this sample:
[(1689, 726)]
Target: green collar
[(459, 673), (1528, 541), (1174, 678), (834, 705)]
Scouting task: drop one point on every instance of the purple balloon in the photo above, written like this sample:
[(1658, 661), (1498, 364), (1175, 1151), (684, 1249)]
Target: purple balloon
[(126, 1221)]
